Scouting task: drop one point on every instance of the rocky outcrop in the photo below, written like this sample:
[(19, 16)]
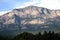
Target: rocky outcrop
[(31, 18)]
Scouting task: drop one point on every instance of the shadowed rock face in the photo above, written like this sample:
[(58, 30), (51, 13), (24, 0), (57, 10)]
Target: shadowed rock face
[(30, 18)]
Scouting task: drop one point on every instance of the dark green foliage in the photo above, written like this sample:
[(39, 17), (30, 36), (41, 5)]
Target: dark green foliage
[(25, 36), (51, 35), (38, 36)]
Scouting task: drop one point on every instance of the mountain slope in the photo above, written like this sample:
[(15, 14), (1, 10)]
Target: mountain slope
[(31, 18)]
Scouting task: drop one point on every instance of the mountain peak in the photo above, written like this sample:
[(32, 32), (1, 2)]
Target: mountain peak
[(29, 7), (30, 18)]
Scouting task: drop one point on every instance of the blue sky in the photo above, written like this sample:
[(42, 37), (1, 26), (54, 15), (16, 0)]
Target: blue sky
[(8, 5)]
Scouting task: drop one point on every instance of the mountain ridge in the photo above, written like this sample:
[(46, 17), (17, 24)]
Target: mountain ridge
[(30, 18), (32, 6), (31, 12)]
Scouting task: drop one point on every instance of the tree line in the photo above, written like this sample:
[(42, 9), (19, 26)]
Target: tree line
[(51, 35)]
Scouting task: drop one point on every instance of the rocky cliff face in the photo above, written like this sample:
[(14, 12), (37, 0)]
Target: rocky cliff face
[(31, 18), (32, 13)]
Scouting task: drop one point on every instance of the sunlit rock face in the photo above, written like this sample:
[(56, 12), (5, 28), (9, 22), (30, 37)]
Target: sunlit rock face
[(30, 14), (31, 17)]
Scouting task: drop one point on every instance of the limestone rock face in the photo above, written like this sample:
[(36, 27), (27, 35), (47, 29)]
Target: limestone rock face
[(31, 17), (30, 14)]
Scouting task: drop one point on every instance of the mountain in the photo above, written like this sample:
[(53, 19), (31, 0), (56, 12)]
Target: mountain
[(31, 18)]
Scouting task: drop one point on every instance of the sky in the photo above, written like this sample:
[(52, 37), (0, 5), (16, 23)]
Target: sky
[(8, 5)]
